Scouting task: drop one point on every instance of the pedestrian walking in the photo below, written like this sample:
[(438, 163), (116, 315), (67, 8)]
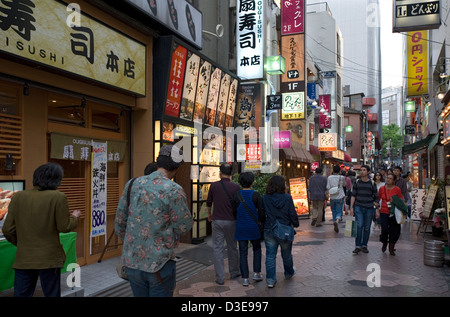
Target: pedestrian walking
[(409, 186), (223, 223), (317, 194), (362, 206), (335, 186), (281, 218), (33, 223), (400, 182), (390, 229), (347, 191), (250, 216), (150, 225), (379, 181)]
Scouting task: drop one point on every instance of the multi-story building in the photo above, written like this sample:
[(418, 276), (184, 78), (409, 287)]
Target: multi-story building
[(360, 53)]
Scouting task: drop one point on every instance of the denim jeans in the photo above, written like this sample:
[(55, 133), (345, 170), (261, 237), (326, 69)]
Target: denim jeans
[(363, 217), (25, 282), (243, 254), (146, 284), (272, 244), (337, 205)]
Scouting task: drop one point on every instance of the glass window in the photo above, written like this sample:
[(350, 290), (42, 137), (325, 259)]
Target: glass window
[(106, 120), (66, 110)]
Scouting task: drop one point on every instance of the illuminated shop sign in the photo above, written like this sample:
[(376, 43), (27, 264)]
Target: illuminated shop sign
[(63, 37), (292, 17), (250, 38), (411, 15)]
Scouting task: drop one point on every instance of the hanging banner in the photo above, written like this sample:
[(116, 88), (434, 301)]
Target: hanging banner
[(98, 189), (417, 63), (78, 148), (190, 83), (176, 78)]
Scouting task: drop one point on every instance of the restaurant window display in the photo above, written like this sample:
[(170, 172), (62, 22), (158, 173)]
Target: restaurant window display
[(195, 102)]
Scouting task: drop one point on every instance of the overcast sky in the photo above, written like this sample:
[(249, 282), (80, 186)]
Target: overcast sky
[(391, 48)]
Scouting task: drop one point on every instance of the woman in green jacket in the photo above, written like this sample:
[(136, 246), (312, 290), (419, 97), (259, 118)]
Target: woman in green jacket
[(33, 223)]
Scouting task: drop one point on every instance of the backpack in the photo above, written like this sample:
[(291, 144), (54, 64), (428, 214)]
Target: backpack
[(373, 185)]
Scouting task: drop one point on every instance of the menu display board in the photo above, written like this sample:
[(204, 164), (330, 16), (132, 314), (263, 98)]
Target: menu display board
[(299, 195)]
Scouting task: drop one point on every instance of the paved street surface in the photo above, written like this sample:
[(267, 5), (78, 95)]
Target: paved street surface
[(326, 267)]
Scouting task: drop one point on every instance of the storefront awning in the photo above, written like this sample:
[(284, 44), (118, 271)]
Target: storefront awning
[(298, 154), (433, 142), (417, 146)]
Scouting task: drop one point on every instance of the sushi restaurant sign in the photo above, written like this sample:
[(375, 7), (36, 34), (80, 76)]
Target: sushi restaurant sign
[(60, 36)]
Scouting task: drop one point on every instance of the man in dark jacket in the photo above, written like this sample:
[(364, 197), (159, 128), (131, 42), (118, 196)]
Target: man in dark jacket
[(317, 195), (223, 223), (400, 182)]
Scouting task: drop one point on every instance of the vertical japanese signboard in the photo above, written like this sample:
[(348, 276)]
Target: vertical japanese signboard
[(223, 101), (201, 96), (98, 189), (231, 106), (417, 63), (293, 49), (190, 84), (213, 96), (325, 103), (44, 32), (292, 17), (176, 77), (250, 38)]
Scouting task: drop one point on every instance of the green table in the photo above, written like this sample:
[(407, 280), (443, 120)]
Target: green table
[(8, 255)]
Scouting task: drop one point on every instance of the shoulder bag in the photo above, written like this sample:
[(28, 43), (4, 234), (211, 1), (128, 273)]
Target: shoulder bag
[(260, 225), (334, 190), (120, 268)]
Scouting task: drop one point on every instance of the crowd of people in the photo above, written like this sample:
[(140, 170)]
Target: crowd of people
[(367, 197), (153, 212)]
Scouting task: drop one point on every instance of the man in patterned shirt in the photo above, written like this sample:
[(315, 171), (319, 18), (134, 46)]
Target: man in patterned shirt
[(156, 215)]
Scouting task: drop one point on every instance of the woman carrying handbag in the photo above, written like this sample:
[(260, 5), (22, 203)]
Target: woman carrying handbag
[(390, 229), (281, 218)]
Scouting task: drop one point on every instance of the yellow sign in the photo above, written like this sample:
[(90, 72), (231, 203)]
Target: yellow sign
[(417, 63), (61, 36)]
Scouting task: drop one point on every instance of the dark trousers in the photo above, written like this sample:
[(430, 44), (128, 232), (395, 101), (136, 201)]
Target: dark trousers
[(25, 282), (390, 229)]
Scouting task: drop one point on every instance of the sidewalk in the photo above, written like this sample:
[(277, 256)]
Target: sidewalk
[(326, 267)]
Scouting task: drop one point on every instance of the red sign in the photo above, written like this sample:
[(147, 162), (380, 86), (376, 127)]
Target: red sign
[(292, 17), (254, 152), (325, 102), (175, 87)]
